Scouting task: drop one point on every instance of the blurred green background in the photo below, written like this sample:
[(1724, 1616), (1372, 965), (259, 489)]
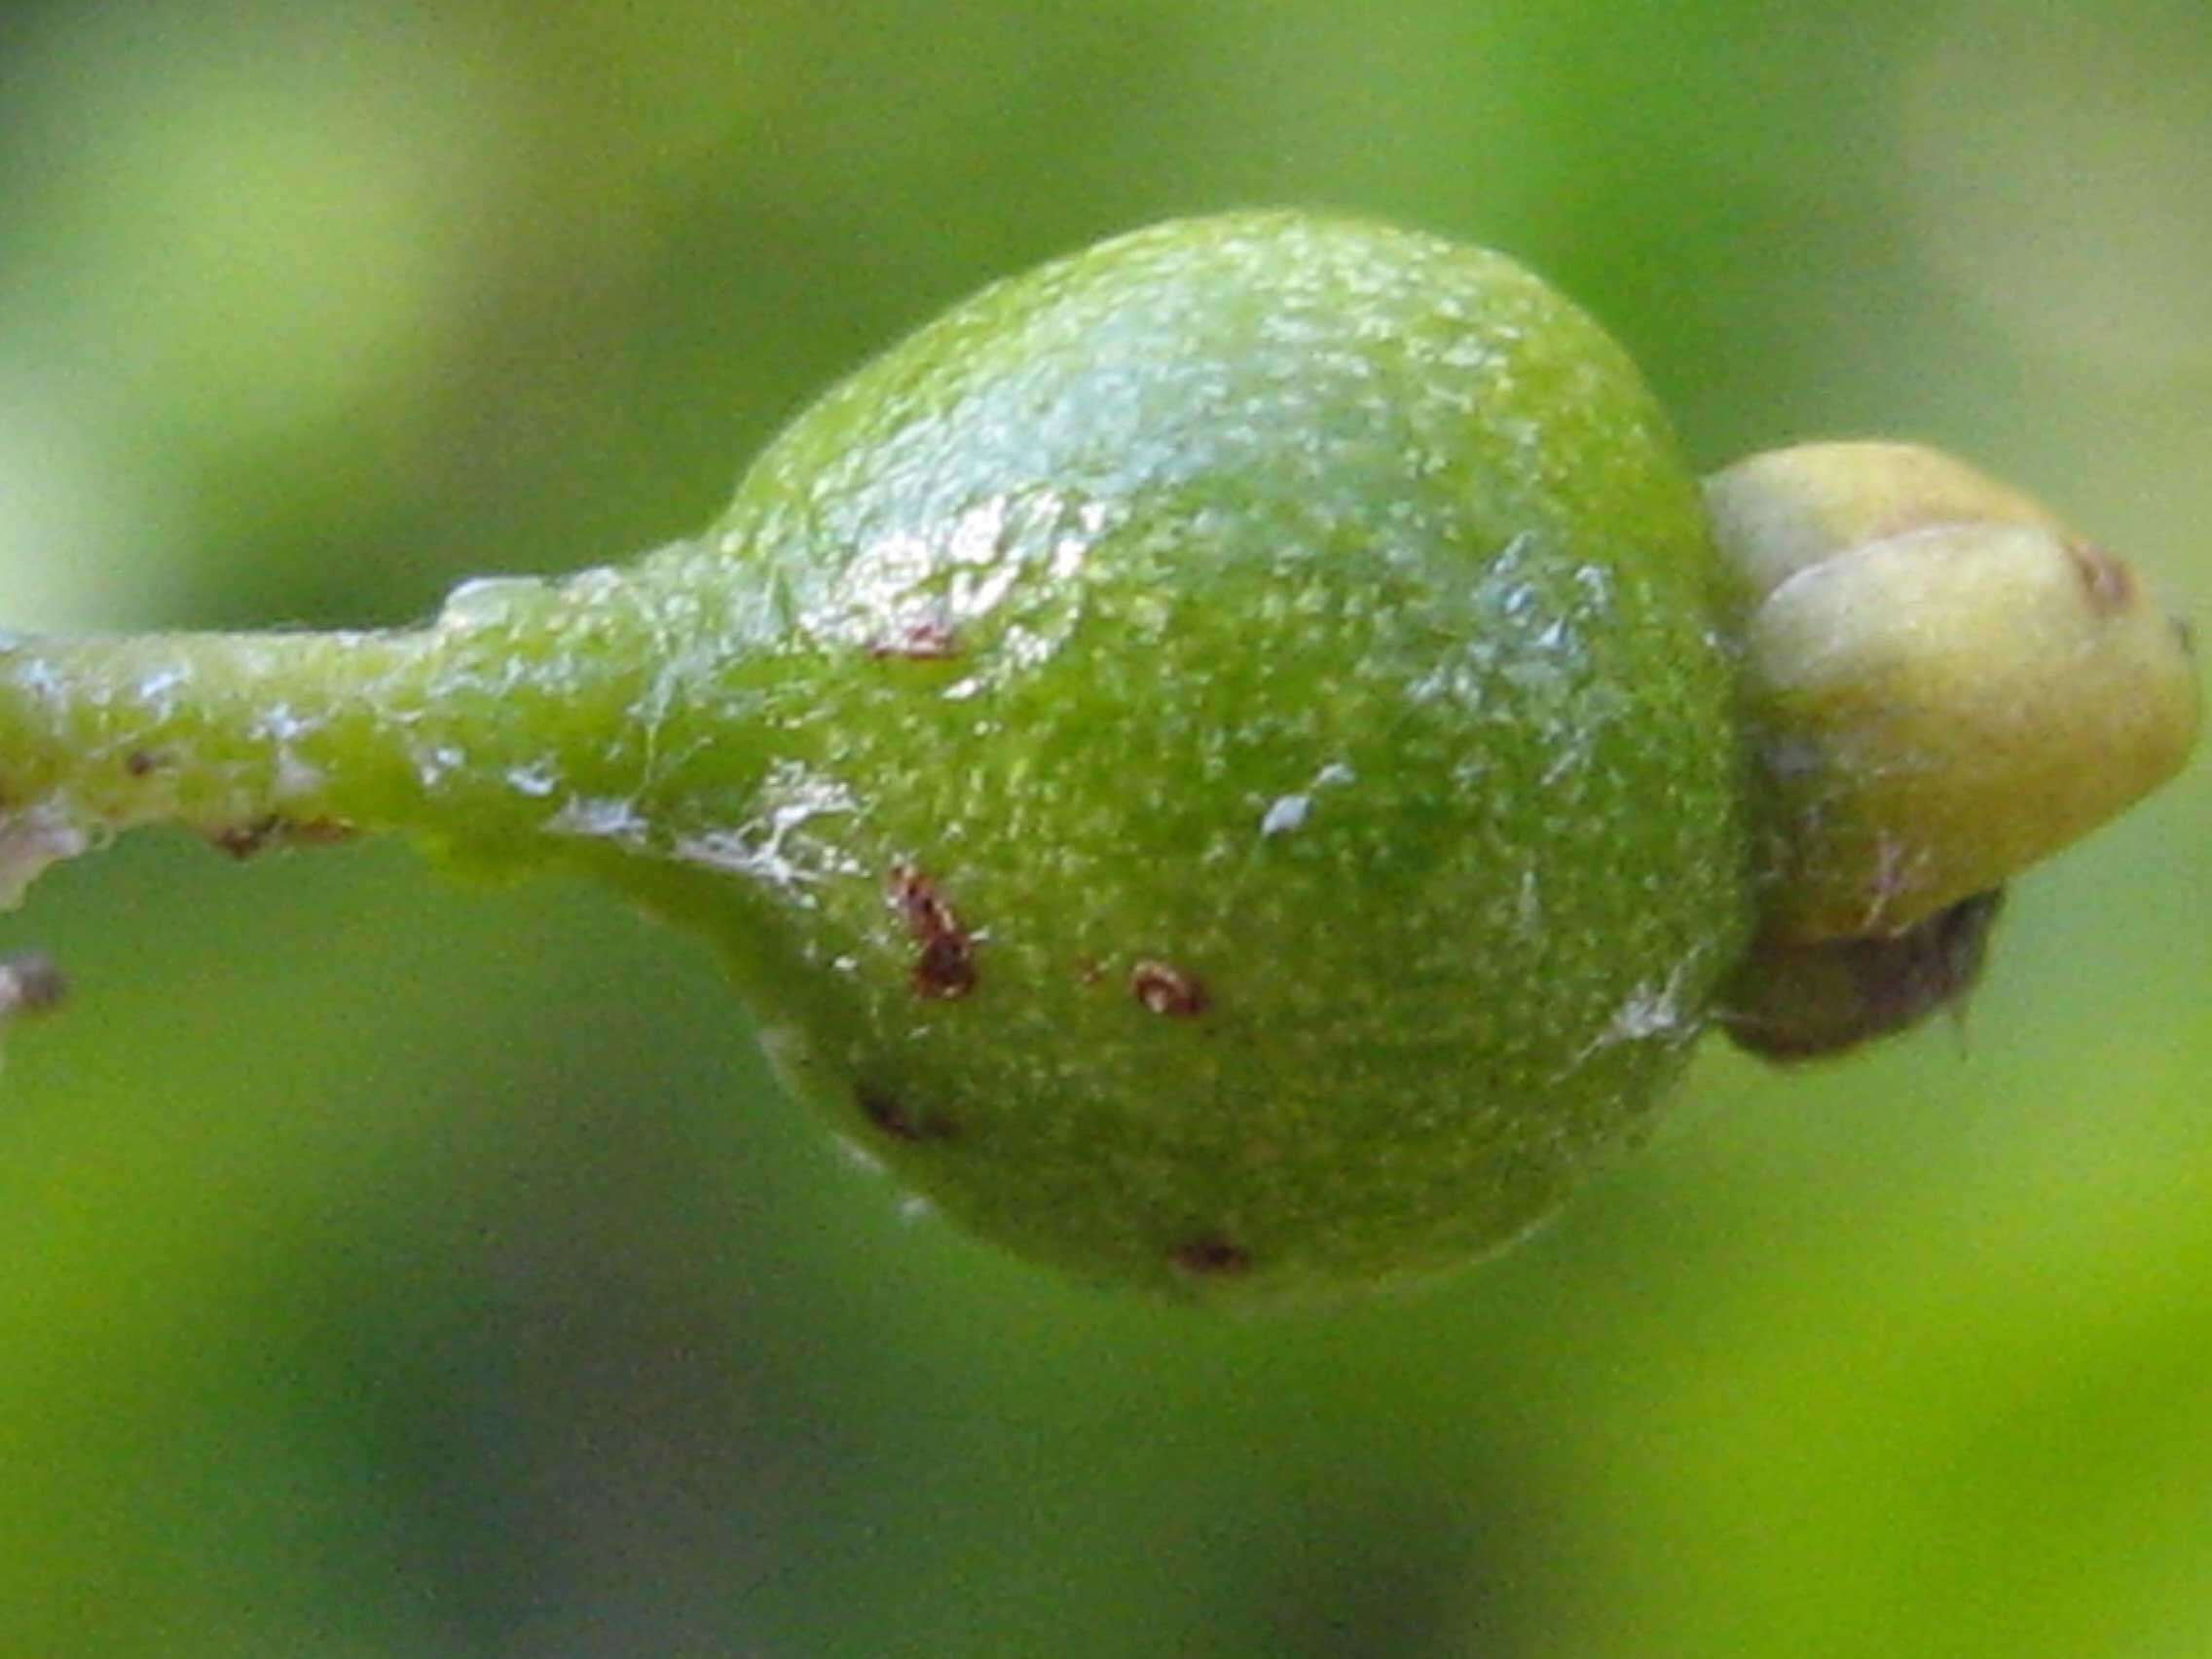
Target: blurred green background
[(388, 1267)]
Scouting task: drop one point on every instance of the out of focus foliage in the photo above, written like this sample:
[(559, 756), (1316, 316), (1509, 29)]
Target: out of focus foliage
[(390, 1269)]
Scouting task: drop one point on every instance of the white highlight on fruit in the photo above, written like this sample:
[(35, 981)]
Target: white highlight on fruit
[(1650, 1013), (493, 602), (769, 847), (537, 780), (1286, 813), (599, 818)]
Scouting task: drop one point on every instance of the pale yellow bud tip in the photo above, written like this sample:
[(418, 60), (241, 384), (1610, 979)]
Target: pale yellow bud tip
[(1942, 683)]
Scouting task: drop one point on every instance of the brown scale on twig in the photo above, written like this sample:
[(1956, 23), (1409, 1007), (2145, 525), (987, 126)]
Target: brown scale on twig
[(945, 967), (243, 840)]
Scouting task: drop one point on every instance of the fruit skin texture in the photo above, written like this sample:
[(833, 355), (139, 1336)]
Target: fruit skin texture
[(1225, 760), (1216, 759), (1254, 799)]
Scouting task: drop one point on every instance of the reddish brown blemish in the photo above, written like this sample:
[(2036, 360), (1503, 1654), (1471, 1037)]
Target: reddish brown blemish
[(2105, 578), (918, 641), (892, 1115), (1166, 990), (946, 965), (1869, 987), (243, 840), (1211, 1256)]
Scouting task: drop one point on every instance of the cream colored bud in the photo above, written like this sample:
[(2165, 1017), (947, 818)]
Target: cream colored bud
[(1942, 683)]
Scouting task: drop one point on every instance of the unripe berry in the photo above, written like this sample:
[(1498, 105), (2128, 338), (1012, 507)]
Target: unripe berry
[(1226, 760)]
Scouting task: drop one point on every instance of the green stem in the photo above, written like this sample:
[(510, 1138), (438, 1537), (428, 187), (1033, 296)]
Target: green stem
[(210, 729), (525, 710)]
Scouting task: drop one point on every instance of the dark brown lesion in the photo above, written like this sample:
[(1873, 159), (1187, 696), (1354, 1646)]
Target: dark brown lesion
[(1166, 990), (144, 762), (1210, 1255), (1803, 1001), (896, 1118), (259, 834), (945, 966)]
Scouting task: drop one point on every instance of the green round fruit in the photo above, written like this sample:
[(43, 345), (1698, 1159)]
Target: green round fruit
[(1258, 789), (1240, 762)]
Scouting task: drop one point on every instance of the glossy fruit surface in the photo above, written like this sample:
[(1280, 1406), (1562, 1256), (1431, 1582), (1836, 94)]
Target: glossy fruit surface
[(1255, 798), (1240, 762), (1216, 759)]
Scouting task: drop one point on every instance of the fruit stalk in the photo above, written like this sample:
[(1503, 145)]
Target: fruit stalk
[(252, 739)]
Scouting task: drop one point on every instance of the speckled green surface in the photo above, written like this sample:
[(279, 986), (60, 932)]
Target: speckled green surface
[(1212, 759)]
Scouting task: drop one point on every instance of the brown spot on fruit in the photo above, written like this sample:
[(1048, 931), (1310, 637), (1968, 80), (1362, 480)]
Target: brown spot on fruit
[(918, 641), (946, 968), (1166, 990), (896, 1119), (1211, 1256)]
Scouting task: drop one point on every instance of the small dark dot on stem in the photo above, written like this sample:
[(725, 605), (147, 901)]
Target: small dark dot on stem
[(1211, 1256), (243, 840)]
